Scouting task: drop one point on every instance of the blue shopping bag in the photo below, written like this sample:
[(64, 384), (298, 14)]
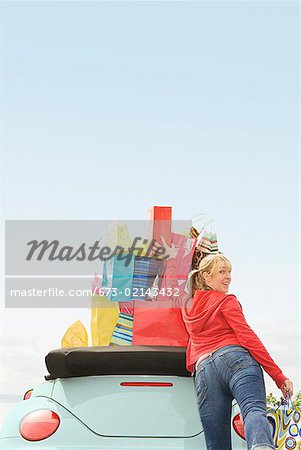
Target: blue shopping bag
[(144, 275), (117, 278)]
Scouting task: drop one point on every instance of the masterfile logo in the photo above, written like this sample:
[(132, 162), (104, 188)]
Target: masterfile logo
[(55, 251)]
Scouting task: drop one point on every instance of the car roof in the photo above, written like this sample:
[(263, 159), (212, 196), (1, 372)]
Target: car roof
[(116, 360)]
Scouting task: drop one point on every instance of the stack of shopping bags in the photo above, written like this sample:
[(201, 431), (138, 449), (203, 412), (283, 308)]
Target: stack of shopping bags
[(130, 305), (142, 321)]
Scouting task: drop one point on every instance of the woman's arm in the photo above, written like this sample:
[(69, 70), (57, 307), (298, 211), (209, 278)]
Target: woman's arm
[(233, 314), (179, 296)]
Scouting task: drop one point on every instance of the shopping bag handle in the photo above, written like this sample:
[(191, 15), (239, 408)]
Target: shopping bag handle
[(286, 402)]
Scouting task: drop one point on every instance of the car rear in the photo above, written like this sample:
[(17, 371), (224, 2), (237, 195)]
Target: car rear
[(111, 397)]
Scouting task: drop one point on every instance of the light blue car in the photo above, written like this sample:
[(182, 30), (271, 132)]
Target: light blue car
[(131, 397)]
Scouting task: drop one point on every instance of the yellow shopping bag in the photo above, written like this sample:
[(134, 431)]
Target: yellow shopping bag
[(104, 316), (75, 336), (119, 236)]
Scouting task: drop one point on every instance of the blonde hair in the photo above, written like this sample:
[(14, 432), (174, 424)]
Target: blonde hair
[(209, 264)]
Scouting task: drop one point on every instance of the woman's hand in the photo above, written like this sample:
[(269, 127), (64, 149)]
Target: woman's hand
[(287, 388), (170, 251)]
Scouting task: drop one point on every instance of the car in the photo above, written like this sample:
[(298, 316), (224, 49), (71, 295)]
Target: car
[(115, 397)]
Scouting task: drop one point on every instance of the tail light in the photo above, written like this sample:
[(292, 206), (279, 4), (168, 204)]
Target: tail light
[(27, 394), (39, 425), (238, 425)]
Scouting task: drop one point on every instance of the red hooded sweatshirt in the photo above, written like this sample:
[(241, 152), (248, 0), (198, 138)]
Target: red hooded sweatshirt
[(214, 319)]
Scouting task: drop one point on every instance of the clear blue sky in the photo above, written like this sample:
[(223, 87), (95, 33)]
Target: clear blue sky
[(110, 107)]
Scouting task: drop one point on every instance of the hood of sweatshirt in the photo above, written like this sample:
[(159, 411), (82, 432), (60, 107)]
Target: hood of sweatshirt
[(204, 307)]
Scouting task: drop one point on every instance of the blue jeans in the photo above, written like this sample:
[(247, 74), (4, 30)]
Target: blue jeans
[(231, 372)]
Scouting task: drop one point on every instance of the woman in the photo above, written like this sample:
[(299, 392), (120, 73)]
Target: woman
[(225, 356)]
